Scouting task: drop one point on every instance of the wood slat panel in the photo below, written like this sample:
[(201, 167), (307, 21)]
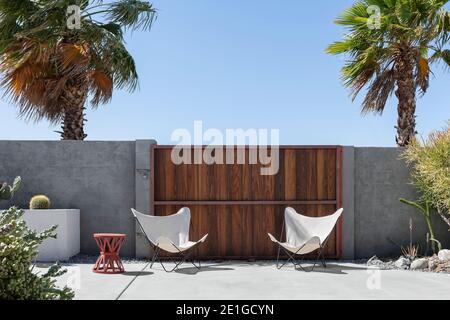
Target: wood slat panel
[(237, 232), (305, 174), (237, 206)]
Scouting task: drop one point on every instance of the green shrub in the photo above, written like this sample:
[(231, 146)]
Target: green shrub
[(425, 210), (18, 246), (430, 164), (40, 202), (7, 191)]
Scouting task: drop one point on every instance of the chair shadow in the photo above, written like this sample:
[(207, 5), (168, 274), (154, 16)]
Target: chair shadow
[(194, 271), (331, 268), (137, 273)]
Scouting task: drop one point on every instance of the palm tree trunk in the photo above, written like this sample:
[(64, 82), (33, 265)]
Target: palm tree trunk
[(406, 94), (74, 98)]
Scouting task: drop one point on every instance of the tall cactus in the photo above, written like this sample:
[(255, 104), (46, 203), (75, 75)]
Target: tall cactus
[(7, 191)]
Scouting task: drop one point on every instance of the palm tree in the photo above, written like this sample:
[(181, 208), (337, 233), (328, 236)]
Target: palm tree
[(51, 65), (391, 46)]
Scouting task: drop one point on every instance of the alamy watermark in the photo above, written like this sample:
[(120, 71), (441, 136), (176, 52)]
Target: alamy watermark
[(374, 279), (374, 20), (212, 146), (73, 17)]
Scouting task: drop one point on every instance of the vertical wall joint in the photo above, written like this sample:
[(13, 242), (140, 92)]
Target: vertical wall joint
[(143, 176)]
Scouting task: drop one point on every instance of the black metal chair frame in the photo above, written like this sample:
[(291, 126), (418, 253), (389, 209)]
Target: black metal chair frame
[(320, 256), (178, 261)]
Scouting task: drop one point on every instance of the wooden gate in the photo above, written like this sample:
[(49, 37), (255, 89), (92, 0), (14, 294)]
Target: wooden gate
[(237, 206)]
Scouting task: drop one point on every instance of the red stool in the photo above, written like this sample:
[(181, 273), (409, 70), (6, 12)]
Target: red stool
[(109, 261)]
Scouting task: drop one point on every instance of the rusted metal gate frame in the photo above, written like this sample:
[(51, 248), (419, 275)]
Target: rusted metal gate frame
[(338, 202)]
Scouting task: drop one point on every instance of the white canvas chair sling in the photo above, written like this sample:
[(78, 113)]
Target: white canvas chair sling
[(170, 234), (304, 235)]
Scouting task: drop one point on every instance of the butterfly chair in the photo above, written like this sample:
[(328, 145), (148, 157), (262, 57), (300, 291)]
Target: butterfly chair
[(170, 234), (305, 235)]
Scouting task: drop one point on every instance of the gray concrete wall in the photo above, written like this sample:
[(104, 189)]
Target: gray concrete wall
[(105, 179), (96, 177), (348, 197), (381, 221)]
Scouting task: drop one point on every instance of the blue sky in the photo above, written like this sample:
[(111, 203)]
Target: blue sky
[(242, 64)]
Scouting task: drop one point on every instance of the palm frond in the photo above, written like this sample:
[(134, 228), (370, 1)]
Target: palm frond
[(441, 56), (422, 74), (40, 57), (420, 26), (101, 86), (132, 14), (379, 91)]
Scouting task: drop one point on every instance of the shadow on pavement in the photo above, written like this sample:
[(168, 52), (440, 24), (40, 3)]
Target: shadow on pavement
[(193, 271), (137, 273), (332, 269)]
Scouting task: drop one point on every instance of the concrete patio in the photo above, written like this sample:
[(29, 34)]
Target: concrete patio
[(257, 280)]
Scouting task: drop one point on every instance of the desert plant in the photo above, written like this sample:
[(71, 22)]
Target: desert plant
[(40, 202), (411, 251), (7, 191), (55, 54), (18, 246), (430, 170), (425, 211), (391, 47)]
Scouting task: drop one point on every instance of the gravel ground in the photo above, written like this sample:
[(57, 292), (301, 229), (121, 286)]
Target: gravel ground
[(428, 264), (83, 258), (91, 259), (382, 263)]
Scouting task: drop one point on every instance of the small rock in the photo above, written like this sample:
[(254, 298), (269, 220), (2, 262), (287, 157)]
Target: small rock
[(444, 255), (402, 263), (433, 262), (419, 264), (374, 261)]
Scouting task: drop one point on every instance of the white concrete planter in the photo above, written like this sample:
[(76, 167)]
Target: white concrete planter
[(67, 243)]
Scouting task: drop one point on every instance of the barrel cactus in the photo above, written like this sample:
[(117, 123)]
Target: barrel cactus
[(7, 191), (40, 202)]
